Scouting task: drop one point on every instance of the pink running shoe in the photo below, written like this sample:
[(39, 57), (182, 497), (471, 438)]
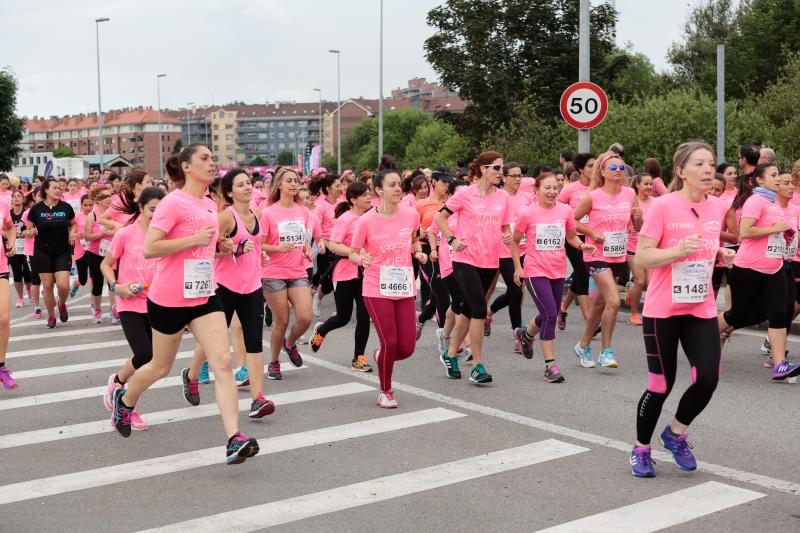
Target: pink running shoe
[(386, 400), (37, 313), (114, 316), (136, 421), (20, 303), (107, 395), (6, 379), (97, 317)]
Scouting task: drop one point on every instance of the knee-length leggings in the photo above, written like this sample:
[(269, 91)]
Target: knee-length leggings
[(546, 294)]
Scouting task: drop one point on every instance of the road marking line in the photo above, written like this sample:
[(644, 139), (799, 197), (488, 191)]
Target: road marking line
[(82, 367), (662, 512), (73, 348), (79, 394), (41, 323), (376, 490), (742, 476), (120, 473), (174, 415), (66, 333), (69, 306)]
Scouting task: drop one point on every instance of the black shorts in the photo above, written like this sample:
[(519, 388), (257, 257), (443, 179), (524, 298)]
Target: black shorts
[(250, 310), (617, 269), (47, 263), (171, 320), (796, 272)]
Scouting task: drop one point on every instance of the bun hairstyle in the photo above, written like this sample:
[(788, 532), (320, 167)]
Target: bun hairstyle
[(354, 190), (322, 183), (135, 177), (174, 167), (226, 184), (147, 194), (387, 162), (484, 158)]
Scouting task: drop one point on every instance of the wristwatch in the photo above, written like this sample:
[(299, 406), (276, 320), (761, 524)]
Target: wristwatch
[(450, 239), (113, 287)]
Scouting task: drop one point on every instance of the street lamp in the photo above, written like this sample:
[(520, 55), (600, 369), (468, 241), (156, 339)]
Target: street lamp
[(338, 110), (99, 105), (319, 119), (380, 94), (188, 123), (160, 141)]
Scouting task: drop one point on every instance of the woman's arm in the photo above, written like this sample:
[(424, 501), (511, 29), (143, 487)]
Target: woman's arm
[(155, 245)]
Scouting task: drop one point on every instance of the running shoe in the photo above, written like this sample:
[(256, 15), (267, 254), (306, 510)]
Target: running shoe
[(114, 316), (203, 376), (108, 396), (420, 327), (37, 313), (302, 341), (74, 289), (479, 375), (768, 362), (191, 388), (315, 305), (360, 364), (293, 353), (51, 322), (584, 355), (240, 447), (261, 407), (467, 353), (681, 453), (766, 347), (316, 338), (120, 414), (241, 378), (137, 423), (442, 341), (641, 462), (63, 315), (451, 364), (20, 303), (386, 400), (97, 316), (274, 371), (606, 358), (552, 374), (6, 379), (562, 320), (784, 370), (487, 326), (517, 346), (526, 346), (636, 319)]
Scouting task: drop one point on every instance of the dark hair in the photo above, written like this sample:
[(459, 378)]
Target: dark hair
[(722, 167), (4, 177), (84, 198), (387, 162), (406, 183), (455, 184), (720, 177), (543, 176), (567, 156), (126, 196), (416, 183), (377, 180), (113, 176), (354, 190), (652, 167), (147, 195), (747, 183), (46, 185), (173, 166), (581, 160), (226, 185), (537, 170), (509, 166), (322, 183), (751, 153), (484, 158)]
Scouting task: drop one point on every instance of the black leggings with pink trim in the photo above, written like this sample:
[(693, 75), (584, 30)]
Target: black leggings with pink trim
[(699, 338)]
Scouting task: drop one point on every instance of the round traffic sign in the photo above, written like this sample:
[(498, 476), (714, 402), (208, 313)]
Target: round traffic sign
[(584, 105)]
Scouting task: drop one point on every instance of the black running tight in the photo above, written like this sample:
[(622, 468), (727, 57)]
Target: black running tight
[(344, 294), (513, 295)]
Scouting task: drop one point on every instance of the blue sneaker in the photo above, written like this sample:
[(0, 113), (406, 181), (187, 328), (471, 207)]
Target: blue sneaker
[(240, 447), (606, 358), (681, 453), (784, 370), (584, 355), (241, 377), (202, 376), (641, 462), (451, 364)]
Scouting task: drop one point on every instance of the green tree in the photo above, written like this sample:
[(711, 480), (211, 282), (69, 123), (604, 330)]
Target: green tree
[(360, 148), (630, 74), (258, 161), (285, 157), (11, 126), (328, 161), (177, 146), (435, 144), (496, 52), (64, 151)]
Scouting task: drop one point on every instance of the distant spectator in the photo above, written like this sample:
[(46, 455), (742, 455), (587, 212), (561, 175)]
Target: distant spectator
[(766, 156), (748, 158)]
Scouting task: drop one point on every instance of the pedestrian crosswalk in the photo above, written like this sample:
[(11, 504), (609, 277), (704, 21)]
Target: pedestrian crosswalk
[(330, 460)]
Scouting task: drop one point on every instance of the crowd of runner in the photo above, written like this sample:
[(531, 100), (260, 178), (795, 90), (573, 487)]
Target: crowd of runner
[(209, 254)]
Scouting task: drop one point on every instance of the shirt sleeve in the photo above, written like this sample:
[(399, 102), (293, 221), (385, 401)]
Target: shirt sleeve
[(523, 221), (360, 234), (658, 187), (752, 208), (340, 230), (456, 202), (569, 220), (117, 246), (508, 218), (165, 219), (565, 194), (653, 226)]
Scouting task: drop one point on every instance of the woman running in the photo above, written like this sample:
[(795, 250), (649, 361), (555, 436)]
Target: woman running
[(81, 244), (329, 188), (643, 185), (346, 277), (572, 194), (384, 241), (17, 262), (757, 280), (30, 237), (183, 235), (728, 171), (52, 221), (285, 224), (610, 207), (546, 226), (125, 257), (484, 218), (10, 233), (98, 236), (678, 244)]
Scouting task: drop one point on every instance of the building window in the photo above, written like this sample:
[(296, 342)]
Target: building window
[(250, 135), (229, 137), (228, 126), (290, 124), (291, 135), (281, 146), (222, 114), (281, 135), (302, 123), (280, 124), (215, 127), (216, 137), (229, 147)]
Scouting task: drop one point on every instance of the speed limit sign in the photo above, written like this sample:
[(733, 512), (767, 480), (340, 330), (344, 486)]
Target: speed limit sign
[(584, 105)]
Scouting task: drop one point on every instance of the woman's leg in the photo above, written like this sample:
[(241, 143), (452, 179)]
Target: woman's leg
[(639, 283), (250, 309), (362, 324), (604, 312), (237, 340), (136, 327), (5, 322), (300, 298), (165, 347), (344, 295), (48, 282), (97, 282), (699, 341), (62, 285), (661, 336), (278, 302)]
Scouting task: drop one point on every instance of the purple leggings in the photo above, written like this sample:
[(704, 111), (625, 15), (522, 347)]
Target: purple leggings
[(546, 294), (396, 324)]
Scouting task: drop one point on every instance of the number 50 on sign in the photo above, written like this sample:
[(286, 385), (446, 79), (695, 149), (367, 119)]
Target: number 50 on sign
[(584, 105)]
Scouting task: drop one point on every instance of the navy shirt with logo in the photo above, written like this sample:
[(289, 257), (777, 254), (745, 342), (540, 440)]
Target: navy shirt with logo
[(53, 226)]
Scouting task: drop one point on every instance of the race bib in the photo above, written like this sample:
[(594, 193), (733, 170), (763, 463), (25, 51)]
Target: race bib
[(615, 243), (292, 232), (549, 236), (19, 246), (791, 250), (198, 278), (776, 246), (105, 244), (85, 244), (75, 204), (691, 281), (397, 281)]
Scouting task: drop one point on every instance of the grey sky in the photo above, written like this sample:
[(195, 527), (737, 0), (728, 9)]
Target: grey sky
[(216, 51)]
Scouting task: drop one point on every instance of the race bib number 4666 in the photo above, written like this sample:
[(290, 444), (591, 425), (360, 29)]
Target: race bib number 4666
[(198, 278), (397, 281)]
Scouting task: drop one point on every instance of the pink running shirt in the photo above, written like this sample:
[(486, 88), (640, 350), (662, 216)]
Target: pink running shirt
[(98, 246), (343, 234), (545, 231), (29, 241), (445, 254), (241, 274), (764, 254), (127, 248), (610, 215), (480, 221), (81, 244), (325, 213), (5, 218), (114, 212), (516, 204), (287, 226), (633, 235), (791, 213)]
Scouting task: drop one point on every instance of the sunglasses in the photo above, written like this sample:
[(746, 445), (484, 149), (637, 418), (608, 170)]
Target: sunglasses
[(614, 166), (496, 168)]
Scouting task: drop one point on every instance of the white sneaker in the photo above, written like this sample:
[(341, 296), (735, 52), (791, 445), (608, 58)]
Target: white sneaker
[(315, 305), (606, 358), (584, 355), (386, 400), (443, 342)]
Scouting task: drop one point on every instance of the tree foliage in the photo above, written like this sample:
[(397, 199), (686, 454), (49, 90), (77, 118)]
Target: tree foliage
[(258, 161), (11, 126), (285, 157), (177, 146), (64, 151)]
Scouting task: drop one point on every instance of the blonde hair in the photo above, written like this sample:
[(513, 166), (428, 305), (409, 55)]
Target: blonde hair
[(274, 188), (681, 157), (597, 180), (796, 173)]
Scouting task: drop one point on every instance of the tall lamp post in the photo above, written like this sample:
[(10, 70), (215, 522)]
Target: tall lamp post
[(99, 104), (319, 120), (160, 140), (338, 110), (189, 108), (380, 94)]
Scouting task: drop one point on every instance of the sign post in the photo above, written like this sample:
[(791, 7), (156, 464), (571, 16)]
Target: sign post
[(583, 105)]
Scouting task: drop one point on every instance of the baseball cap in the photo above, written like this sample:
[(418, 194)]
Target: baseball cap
[(441, 173), (25, 179)]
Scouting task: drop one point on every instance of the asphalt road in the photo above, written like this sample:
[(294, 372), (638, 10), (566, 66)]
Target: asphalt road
[(519, 455)]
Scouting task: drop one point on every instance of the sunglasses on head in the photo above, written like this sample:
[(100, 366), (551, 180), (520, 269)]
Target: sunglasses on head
[(614, 166), (496, 168)]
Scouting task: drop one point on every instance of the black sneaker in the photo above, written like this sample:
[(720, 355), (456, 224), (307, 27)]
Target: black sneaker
[(120, 413), (526, 345), (240, 447), (479, 375), (451, 364), (191, 388), (293, 353), (261, 407)]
